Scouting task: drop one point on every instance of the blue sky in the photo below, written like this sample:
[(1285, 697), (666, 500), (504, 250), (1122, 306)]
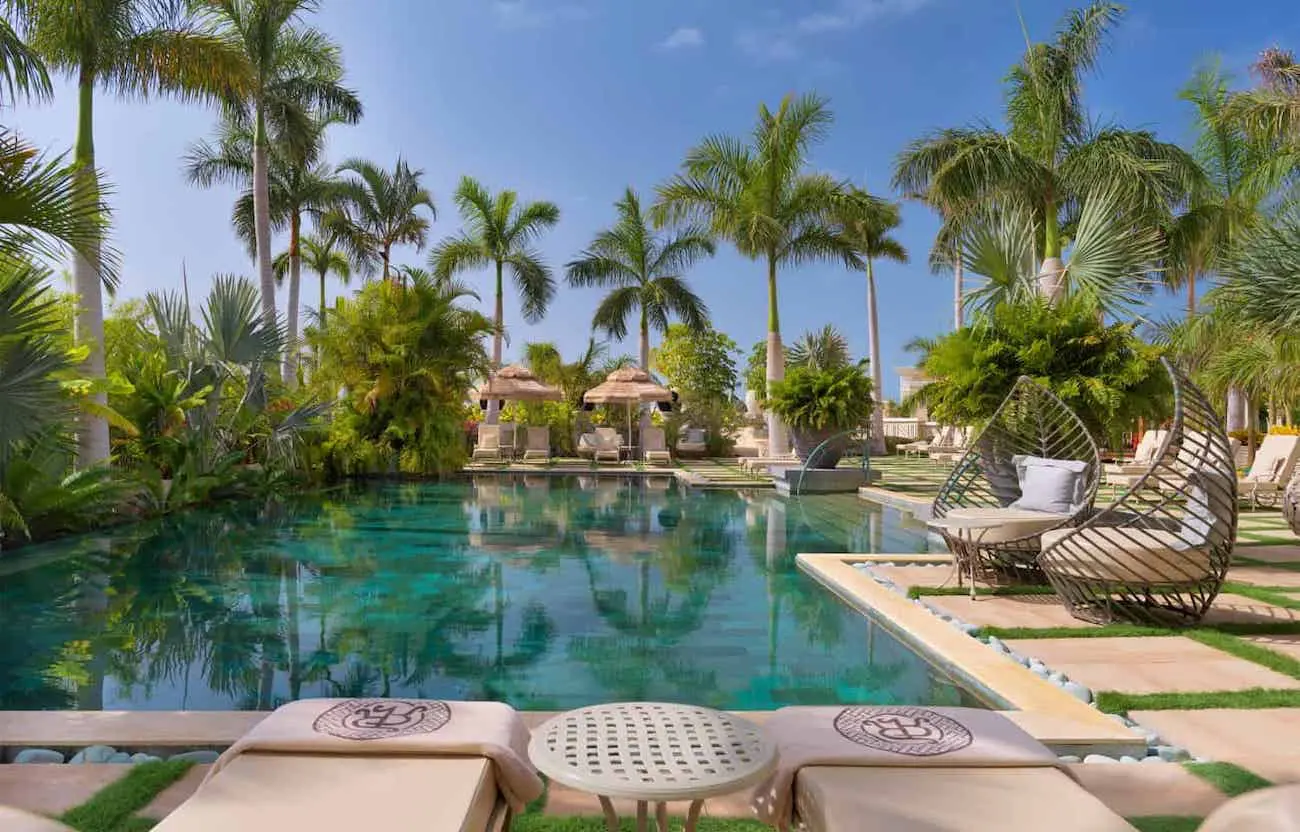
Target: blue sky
[(573, 100)]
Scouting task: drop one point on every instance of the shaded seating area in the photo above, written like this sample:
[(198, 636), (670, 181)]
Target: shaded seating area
[(1033, 468), (537, 446), (488, 446), (1158, 554), (949, 446), (692, 443)]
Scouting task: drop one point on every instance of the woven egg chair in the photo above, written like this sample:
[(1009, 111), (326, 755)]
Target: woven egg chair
[(1031, 422), (1159, 554)]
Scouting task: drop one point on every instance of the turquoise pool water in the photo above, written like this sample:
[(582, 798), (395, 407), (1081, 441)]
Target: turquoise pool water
[(547, 593)]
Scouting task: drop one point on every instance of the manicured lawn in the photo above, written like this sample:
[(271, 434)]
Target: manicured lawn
[(1229, 778), (1165, 823)]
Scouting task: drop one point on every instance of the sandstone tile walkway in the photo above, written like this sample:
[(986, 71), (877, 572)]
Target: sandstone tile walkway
[(1288, 644), (1007, 610), (53, 789), (1229, 608), (1265, 741), (1288, 553), (930, 577), (1140, 790), (1150, 664), (1265, 576)]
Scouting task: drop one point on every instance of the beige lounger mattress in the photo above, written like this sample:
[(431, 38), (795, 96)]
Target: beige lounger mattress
[(333, 793), (844, 799)]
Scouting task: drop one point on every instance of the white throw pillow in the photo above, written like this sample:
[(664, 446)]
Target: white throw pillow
[(1052, 485)]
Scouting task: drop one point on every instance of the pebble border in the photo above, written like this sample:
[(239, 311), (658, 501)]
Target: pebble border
[(95, 754), (1157, 751)]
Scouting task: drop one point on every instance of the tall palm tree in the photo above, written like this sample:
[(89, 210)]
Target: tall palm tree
[(644, 273), (500, 232), (1242, 172), (22, 72), (135, 48), (759, 196), (1272, 110), (1051, 155), (298, 184), (865, 224), (380, 209), (296, 75), (322, 257)]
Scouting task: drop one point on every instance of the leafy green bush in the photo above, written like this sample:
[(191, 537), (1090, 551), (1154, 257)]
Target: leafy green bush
[(1104, 373), (820, 400)]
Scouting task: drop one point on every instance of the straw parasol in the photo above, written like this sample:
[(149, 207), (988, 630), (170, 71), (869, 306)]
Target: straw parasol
[(518, 384), (629, 386)]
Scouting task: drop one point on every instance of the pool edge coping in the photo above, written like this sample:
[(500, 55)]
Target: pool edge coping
[(1051, 715)]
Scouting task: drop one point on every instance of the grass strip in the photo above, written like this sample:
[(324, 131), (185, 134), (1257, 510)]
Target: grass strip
[(1165, 823), (1239, 559), (1229, 778), (1249, 651), (1114, 702), (111, 808), (915, 592), (543, 823), (1264, 594), (1241, 628)]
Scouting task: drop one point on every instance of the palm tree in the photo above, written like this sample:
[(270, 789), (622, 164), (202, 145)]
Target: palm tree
[(1051, 156), (135, 48), (1272, 110), (821, 349), (865, 224), (322, 258), (22, 72), (758, 195), (298, 184), (644, 273), (380, 209), (295, 77), (500, 232), (1242, 173)]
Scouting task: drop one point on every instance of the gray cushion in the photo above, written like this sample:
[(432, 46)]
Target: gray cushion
[(1054, 485), (1209, 507)]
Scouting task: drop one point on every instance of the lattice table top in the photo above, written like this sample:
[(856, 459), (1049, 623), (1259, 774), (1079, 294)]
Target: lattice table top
[(652, 751)]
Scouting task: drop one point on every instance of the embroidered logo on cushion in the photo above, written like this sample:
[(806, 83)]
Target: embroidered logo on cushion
[(375, 719), (916, 732)]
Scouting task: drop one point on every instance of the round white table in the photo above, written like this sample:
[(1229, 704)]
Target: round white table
[(967, 533), (651, 752)]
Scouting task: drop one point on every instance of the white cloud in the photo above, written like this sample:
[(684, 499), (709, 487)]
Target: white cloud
[(778, 39), (533, 14), (683, 37), (850, 14)]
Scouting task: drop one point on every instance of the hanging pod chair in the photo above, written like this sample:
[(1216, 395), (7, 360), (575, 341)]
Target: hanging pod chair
[(1032, 440), (1159, 554)]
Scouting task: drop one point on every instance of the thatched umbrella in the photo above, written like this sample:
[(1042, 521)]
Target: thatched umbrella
[(630, 386), (518, 384)]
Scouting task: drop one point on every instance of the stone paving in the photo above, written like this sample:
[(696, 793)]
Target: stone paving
[(1265, 741)]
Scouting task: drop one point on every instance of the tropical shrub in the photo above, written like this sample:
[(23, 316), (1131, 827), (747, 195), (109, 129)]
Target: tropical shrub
[(1104, 373), (400, 359), (834, 399), (700, 365)]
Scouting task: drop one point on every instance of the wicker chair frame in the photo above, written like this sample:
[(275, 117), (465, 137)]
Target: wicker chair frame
[(1291, 502), (1160, 553), (1031, 421)]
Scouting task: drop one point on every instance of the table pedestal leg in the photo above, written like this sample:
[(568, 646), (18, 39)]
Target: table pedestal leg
[(693, 816), (661, 816), (641, 816), (611, 817)]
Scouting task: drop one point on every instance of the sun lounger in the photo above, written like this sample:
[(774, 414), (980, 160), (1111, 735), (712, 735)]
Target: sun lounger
[(654, 448), (951, 448), (489, 443), (508, 441), (1275, 462), (1143, 455), (692, 443), (537, 448), (608, 444), (752, 442), (335, 764), (911, 768), (920, 446)]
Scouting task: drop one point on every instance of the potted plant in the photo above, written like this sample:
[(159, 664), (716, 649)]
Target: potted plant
[(818, 404)]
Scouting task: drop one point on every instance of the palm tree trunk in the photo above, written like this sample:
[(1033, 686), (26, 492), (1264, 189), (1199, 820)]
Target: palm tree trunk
[(321, 310), (295, 277), (262, 219), (877, 374), (958, 291), (498, 323), (777, 442), (387, 255), (645, 364), (88, 325), (1191, 295), (1237, 406), (1050, 277)]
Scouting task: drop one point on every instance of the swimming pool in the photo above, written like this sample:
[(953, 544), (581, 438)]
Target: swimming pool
[(545, 592)]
